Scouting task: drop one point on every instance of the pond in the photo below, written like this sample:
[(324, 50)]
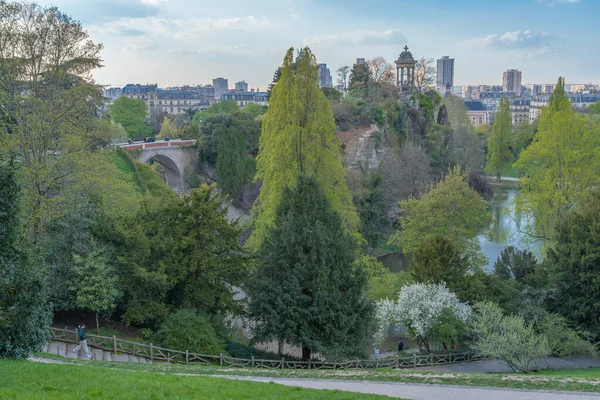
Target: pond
[(505, 230)]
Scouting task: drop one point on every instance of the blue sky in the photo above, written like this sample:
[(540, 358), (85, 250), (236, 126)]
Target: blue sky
[(172, 42)]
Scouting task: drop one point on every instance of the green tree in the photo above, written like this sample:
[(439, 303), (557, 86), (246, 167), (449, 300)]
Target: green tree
[(450, 209), (95, 283), (305, 289), (221, 107), (575, 267), (594, 108), (562, 164), (169, 129), (131, 115), (181, 252), (359, 79), (332, 94), (500, 143), (524, 134), (438, 261), (276, 78), (187, 330), (298, 137), (254, 109), (24, 313), (234, 167), (383, 283), (371, 208)]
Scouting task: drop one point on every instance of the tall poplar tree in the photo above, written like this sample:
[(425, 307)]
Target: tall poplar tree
[(562, 164), (307, 290), (501, 141), (298, 137)]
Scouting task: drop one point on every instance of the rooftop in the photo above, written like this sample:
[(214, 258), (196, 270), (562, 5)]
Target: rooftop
[(475, 106)]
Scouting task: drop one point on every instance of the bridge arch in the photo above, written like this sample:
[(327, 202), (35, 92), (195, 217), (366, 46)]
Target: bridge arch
[(173, 176)]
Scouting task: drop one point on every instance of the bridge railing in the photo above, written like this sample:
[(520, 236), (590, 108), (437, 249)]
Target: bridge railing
[(160, 354), (157, 144)]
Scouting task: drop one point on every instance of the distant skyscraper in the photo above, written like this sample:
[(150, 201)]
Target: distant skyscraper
[(325, 79), (221, 87), (445, 73), (241, 86), (360, 61), (511, 81)]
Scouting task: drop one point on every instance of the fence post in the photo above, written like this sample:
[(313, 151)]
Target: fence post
[(220, 359), (431, 359), (414, 357), (357, 363), (252, 361), (134, 348), (309, 363), (396, 361), (468, 357), (334, 365), (151, 353), (282, 362), (114, 344), (187, 357)]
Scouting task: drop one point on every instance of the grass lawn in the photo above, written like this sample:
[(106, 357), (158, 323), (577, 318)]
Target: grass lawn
[(572, 373), (536, 381), (509, 171), (23, 380)]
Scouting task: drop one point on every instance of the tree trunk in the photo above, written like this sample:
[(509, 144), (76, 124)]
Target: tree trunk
[(97, 325), (499, 177), (280, 347), (305, 353)]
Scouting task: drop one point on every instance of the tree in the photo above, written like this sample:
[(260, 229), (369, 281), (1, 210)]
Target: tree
[(575, 266), (24, 313), (50, 104), (254, 109), (419, 309), (507, 337), (234, 167), (424, 74), (524, 134), (187, 330), (95, 283), (359, 78), (221, 107), (463, 145), (343, 73), (370, 205), (298, 137), (182, 252), (500, 143), (380, 70), (332, 94), (594, 108), (305, 289), (131, 115), (169, 129), (438, 261), (451, 209), (561, 164), (383, 283), (276, 77)]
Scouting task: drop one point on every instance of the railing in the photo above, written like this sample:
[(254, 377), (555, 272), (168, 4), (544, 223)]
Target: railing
[(157, 144), (160, 354)]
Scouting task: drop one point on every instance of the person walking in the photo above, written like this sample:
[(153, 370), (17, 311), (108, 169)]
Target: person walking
[(401, 345), (82, 341), (376, 353)]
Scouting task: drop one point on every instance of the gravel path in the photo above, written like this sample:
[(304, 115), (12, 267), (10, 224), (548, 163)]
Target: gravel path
[(424, 392)]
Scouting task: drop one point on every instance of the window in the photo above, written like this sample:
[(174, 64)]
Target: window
[(171, 109), (480, 120), (473, 120)]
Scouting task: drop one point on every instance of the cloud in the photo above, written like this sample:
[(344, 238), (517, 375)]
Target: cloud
[(555, 2), (215, 50), (155, 3), (360, 37), (514, 40)]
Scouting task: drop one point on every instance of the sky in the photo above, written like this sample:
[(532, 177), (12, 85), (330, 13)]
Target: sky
[(176, 42)]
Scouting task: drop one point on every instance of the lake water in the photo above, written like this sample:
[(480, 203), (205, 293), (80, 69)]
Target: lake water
[(505, 230)]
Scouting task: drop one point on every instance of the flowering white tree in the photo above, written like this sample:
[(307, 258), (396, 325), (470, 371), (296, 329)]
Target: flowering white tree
[(418, 308)]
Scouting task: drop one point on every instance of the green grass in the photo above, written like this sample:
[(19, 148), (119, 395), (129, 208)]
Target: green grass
[(25, 380), (510, 172), (571, 373)]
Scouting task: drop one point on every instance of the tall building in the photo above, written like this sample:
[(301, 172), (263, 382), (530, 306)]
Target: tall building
[(360, 61), (241, 86), (445, 73), (511, 81), (325, 76), (113, 93), (221, 87)]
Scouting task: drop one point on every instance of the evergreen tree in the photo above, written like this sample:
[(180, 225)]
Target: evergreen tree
[(501, 142), (359, 79), (298, 137), (234, 167), (305, 289), (24, 315)]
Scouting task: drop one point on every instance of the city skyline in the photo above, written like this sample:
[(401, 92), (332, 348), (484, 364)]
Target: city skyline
[(175, 42)]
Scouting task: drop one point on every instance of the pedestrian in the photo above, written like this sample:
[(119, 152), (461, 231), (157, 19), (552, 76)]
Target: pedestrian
[(82, 340), (376, 353), (401, 345)]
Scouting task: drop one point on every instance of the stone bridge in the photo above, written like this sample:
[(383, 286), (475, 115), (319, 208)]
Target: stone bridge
[(178, 157)]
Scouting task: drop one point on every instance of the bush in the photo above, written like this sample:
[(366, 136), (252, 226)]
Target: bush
[(186, 330), (507, 337), (564, 340)]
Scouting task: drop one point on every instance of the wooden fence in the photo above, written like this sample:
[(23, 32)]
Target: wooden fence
[(160, 354)]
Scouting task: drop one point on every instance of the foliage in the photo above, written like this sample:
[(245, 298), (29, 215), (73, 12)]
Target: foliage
[(507, 337), (24, 314), (131, 115), (169, 129), (594, 108), (439, 261), (563, 340), (524, 134), (450, 209), (371, 209), (359, 78), (298, 137), (187, 330), (383, 283), (420, 309), (520, 265), (501, 142), (332, 94), (479, 183), (343, 73), (182, 252), (424, 74), (305, 289), (254, 109), (380, 71), (350, 112), (220, 107), (576, 269), (561, 164)]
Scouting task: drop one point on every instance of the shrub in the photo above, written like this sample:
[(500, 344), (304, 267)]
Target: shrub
[(186, 330), (507, 337)]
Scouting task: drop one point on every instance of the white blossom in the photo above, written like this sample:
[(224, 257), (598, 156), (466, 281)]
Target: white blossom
[(418, 307)]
